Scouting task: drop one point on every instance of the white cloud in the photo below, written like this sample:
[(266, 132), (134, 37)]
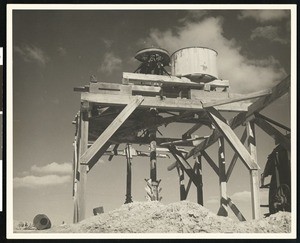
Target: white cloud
[(245, 75), (264, 15), (110, 63), (53, 168), (40, 181), (32, 54), (269, 32)]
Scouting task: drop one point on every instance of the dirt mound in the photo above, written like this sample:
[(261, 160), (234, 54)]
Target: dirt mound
[(179, 217)]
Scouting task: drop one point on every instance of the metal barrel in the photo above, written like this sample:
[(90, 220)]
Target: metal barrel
[(199, 64), (41, 222)]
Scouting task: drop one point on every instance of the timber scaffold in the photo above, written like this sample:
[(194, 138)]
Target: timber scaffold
[(131, 112)]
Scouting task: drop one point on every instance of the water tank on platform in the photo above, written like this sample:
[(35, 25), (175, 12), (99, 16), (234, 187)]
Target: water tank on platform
[(199, 64)]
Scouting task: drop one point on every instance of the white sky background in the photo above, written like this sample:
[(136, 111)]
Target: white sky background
[(58, 53)]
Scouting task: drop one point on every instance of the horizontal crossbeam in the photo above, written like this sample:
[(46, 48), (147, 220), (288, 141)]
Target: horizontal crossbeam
[(282, 88), (176, 104), (91, 156)]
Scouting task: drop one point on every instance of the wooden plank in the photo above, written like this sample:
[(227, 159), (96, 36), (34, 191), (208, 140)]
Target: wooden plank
[(235, 210), (185, 165), (182, 191), (235, 157), (223, 210), (120, 89), (242, 98), (139, 78), (198, 167), (87, 157), (188, 186), (231, 138), (128, 175), (273, 132), (176, 104), (277, 91), (193, 129), (254, 176), (79, 198), (272, 121), (211, 162)]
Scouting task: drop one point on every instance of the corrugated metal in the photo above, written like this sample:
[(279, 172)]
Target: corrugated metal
[(196, 63)]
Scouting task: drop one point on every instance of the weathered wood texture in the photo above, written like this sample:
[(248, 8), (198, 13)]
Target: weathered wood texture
[(254, 176), (185, 165), (176, 104), (150, 79), (231, 138), (282, 88), (92, 155), (235, 157), (223, 210), (79, 198), (273, 132)]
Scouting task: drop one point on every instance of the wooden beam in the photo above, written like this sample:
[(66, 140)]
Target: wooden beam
[(188, 186), (91, 156), (193, 129), (223, 210), (139, 78), (128, 174), (273, 132), (198, 167), (254, 177), (79, 198), (237, 99), (210, 162), (272, 121), (182, 191), (185, 165), (175, 104), (277, 91), (231, 138), (235, 210), (235, 157)]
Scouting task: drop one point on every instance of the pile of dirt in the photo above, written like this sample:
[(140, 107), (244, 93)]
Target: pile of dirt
[(179, 217)]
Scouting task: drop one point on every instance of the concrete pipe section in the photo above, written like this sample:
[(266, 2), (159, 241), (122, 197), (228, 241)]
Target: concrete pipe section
[(41, 222)]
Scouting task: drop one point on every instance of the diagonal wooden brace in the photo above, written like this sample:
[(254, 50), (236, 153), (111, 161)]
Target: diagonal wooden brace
[(273, 132), (280, 89), (231, 138), (92, 155), (185, 165)]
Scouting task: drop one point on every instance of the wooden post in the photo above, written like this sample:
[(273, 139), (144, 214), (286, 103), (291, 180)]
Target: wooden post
[(153, 176), (223, 211), (183, 193), (80, 185), (128, 178), (254, 177), (199, 186)]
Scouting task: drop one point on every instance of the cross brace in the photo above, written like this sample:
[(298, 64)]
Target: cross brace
[(277, 91), (92, 155)]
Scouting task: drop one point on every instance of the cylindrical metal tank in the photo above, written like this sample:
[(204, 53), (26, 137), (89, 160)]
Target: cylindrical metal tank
[(199, 64)]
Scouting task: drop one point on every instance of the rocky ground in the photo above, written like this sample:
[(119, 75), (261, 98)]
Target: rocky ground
[(179, 217)]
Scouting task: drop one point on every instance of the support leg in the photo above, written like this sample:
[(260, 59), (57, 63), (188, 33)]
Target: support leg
[(200, 185), (153, 172), (223, 211), (128, 178), (254, 177), (80, 185), (181, 183)]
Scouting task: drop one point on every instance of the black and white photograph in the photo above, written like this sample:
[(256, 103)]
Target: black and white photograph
[(151, 121)]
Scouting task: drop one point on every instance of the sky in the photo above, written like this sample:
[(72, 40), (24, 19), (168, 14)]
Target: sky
[(57, 50)]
